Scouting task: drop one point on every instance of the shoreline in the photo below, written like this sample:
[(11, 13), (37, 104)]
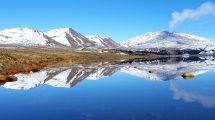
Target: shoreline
[(25, 59), (28, 59)]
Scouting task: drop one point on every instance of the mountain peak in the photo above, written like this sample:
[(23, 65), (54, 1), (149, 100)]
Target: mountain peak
[(20, 29), (24, 36), (167, 32), (69, 37), (97, 37), (103, 41), (64, 30), (60, 30)]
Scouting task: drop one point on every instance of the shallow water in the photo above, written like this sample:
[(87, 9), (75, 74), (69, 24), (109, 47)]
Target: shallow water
[(122, 91)]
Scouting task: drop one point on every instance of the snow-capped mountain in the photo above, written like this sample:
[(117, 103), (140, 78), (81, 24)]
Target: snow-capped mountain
[(25, 37), (103, 42), (166, 39), (63, 38), (70, 38)]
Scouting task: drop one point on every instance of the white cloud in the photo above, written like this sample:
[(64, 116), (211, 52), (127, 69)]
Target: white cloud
[(205, 9)]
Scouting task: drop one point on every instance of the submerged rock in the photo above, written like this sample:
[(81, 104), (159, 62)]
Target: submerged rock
[(151, 71), (188, 75)]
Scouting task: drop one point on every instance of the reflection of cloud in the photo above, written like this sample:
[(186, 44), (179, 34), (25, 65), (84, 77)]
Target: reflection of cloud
[(206, 100), (207, 8)]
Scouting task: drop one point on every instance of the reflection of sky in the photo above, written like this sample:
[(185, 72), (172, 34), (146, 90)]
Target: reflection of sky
[(206, 100), (120, 96)]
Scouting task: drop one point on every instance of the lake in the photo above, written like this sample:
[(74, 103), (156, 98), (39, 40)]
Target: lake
[(126, 90)]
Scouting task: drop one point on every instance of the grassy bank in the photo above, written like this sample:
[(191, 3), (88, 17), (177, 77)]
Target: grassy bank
[(13, 61), (59, 57)]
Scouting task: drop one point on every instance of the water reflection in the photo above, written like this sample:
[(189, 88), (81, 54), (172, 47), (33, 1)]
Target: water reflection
[(155, 70), (206, 100), (61, 77), (158, 69)]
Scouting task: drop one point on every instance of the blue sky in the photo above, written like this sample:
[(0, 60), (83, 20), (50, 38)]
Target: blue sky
[(119, 19)]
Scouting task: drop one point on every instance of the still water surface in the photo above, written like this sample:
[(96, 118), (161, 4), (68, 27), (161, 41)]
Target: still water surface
[(134, 90)]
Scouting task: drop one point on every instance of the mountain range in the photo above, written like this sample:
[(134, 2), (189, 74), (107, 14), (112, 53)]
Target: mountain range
[(69, 38), (56, 38)]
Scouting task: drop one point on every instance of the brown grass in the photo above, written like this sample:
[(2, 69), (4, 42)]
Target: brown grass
[(14, 61)]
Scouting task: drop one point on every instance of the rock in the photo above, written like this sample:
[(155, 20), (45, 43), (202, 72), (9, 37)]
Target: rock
[(35, 69), (2, 83), (151, 71), (187, 75), (12, 78)]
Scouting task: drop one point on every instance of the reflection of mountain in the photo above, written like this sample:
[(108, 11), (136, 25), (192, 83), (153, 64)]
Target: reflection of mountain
[(60, 77), (67, 77), (103, 72), (70, 76), (167, 70), (205, 100)]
